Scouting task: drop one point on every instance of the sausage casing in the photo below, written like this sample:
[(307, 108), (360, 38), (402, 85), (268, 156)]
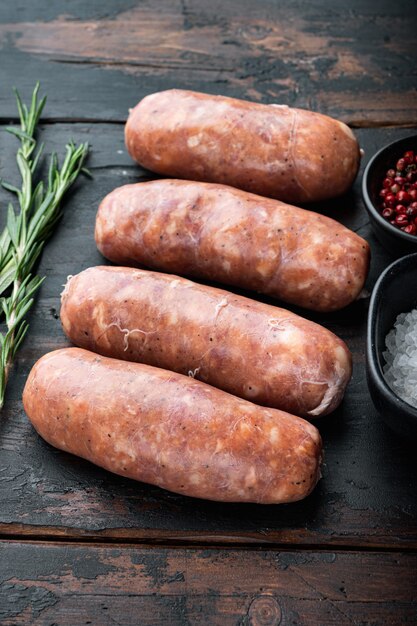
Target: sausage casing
[(170, 430), (253, 350), (231, 236), (290, 154)]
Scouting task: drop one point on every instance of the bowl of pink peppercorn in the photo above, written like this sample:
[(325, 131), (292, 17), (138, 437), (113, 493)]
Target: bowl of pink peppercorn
[(389, 189)]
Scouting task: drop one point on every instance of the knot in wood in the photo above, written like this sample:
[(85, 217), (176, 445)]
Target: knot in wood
[(264, 610)]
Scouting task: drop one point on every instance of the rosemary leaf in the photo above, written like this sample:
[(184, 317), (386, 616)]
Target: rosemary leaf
[(26, 231)]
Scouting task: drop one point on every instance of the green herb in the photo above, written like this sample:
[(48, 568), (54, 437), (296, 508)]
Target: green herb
[(26, 232)]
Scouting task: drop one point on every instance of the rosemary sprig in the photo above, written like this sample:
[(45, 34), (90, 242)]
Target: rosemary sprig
[(26, 232)]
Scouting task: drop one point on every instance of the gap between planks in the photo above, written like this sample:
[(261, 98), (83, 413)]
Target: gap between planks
[(50, 121), (203, 541)]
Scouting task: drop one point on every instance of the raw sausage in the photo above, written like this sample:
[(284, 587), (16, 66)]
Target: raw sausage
[(169, 430), (250, 349), (231, 236), (289, 154)]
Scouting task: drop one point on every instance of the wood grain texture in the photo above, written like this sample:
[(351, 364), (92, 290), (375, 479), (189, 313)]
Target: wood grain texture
[(366, 496), (62, 584), (352, 60)]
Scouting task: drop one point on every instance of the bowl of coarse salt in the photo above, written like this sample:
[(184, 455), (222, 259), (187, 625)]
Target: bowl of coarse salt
[(391, 352)]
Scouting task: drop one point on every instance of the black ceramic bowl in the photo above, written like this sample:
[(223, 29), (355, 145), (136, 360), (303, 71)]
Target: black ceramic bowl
[(396, 241), (395, 292)]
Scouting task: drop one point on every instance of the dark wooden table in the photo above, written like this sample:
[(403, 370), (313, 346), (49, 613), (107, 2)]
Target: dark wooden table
[(81, 546)]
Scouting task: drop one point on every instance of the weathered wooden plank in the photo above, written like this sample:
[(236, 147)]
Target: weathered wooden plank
[(70, 584), (367, 494), (352, 60)]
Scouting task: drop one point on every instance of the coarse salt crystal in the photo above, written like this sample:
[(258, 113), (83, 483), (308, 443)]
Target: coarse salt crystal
[(400, 369)]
